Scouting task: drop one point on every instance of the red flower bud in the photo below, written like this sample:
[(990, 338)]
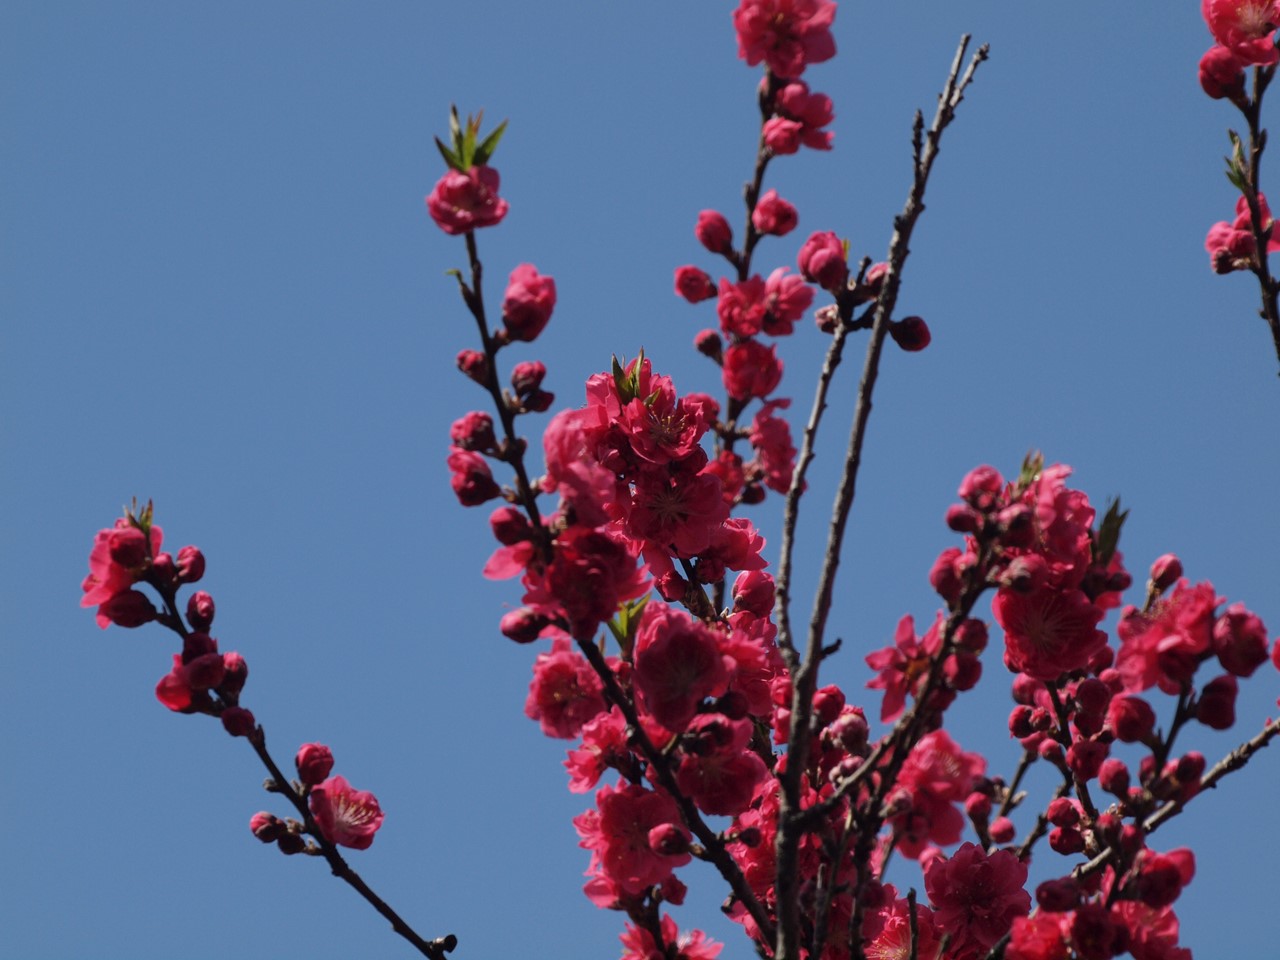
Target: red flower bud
[(200, 610), (190, 564), (234, 674), (238, 721), (267, 827), (694, 284), (1002, 830), (1165, 572), (1131, 719), (713, 231), (523, 625), (314, 762), (1113, 777), (1217, 706), (128, 608), (129, 547), (475, 365), (910, 333)]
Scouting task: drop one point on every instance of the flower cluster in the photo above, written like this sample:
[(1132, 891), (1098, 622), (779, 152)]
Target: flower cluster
[(203, 680)]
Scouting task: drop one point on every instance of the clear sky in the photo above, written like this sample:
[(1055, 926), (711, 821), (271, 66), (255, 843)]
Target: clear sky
[(221, 291)]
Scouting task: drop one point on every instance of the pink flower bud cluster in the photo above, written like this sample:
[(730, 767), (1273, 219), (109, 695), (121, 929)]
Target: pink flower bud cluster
[(1231, 246)]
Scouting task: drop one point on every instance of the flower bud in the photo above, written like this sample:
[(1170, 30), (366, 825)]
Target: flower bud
[(1159, 881), (1113, 777), (129, 547), (474, 431), (206, 672), (475, 365), (963, 519), (910, 333), (668, 840), (234, 674), (523, 625), (1084, 757), (528, 302), (238, 721), (713, 232), (977, 806), (527, 377), (1131, 719), (709, 344), (128, 608), (822, 261), (314, 762), (773, 215), (1222, 74), (200, 610), (1165, 572), (1240, 641), (164, 572), (1020, 722), (1066, 840), (190, 564), (693, 284), (1217, 706), (509, 526), (1058, 896), (1002, 830), (267, 827), (1062, 812)]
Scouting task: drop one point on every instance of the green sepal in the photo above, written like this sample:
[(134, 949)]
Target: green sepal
[(1032, 465), (489, 144), (628, 384), (1107, 538), (450, 158), (624, 625)]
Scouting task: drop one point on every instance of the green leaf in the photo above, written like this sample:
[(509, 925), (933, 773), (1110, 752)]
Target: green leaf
[(1032, 464), (624, 625), (489, 144), (455, 128), (450, 157), (1108, 536)]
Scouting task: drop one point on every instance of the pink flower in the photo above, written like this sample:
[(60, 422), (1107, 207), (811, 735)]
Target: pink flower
[(346, 816), (1161, 646), (528, 302), (617, 834), (639, 944), (811, 111), (822, 260), (1048, 632), (787, 298), (604, 743), (721, 775), (462, 202), (773, 215), (565, 692), (591, 572), (1231, 246), (782, 136), (678, 664), (751, 370), (678, 511), (117, 561), (1042, 937), (770, 437), (1245, 27), (904, 666), (887, 932), (787, 35), (976, 898), (742, 307), (937, 774)]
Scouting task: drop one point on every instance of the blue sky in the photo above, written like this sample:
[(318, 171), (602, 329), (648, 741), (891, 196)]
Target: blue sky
[(222, 292)]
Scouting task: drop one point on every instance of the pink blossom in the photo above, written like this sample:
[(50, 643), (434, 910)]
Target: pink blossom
[(782, 136), (565, 692), (604, 743), (822, 261), (639, 944), (773, 215), (812, 111), (936, 775), (887, 932), (528, 302), (977, 897), (904, 666), (346, 816), (1240, 640), (461, 202), (1245, 27), (721, 775), (787, 298), (751, 370), (117, 561), (591, 572), (741, 307), (1048, 632), (1041, 937), (661, 428), (678, 510), (678, 664), (1231, 246), (787, 35), (1158, 647), (617, 834), (770, 437)]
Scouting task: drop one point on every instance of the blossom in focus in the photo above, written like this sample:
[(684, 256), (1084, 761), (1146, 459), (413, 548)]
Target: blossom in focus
[(565, 692), (617, 834), (346, 816), (461, 202), (787, 35), (677, 665), (1048, 632), (1245, 27), (977, 897)]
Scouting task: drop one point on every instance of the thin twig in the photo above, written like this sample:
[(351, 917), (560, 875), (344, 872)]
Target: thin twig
[(804, 680)]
